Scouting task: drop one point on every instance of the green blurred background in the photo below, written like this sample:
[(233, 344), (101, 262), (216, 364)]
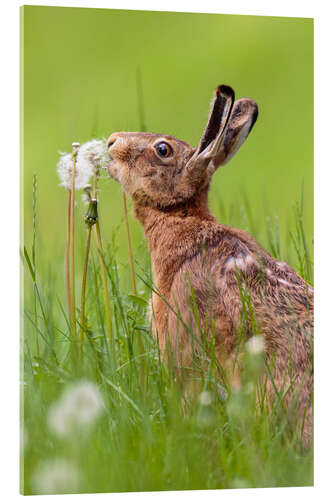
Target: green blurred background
[(79, 81)]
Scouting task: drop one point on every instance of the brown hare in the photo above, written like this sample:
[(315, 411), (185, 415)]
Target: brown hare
[(196, 259)]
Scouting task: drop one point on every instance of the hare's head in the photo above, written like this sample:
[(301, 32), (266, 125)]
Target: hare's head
[(162, 171)]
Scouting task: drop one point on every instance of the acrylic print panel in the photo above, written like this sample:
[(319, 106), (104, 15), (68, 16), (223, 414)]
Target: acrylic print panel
[(109, 407)]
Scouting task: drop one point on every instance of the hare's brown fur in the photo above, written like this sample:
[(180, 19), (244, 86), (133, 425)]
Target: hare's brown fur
[(194, 256)]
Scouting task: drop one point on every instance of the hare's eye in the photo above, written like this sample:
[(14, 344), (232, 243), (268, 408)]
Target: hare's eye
[(163, 149)]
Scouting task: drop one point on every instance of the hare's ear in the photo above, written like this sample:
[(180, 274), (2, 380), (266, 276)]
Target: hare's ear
[(214, 133), (243, 117)]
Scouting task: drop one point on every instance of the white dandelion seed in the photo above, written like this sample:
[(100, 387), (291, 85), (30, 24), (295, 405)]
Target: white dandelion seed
[(91, 155), (255, 345), (57, 476), (79, 406)]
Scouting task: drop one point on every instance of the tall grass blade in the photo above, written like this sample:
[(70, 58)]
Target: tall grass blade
[(142, 122)]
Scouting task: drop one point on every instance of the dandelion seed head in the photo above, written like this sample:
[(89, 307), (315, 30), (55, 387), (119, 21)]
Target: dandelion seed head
[(91, 155), (57, 476), (79, 406), (255, 345), (65, 169)]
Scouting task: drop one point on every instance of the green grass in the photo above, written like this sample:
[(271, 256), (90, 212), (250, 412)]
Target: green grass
[(145, 439)]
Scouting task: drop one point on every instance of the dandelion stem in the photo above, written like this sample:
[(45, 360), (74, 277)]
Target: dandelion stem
[(67, 278), (83, 291)]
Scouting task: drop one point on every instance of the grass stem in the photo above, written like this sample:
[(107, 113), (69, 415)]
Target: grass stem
[(102, 264), (131, 263), (33, 254), (83, 290)]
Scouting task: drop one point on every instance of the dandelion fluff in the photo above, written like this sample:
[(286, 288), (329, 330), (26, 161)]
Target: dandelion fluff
[(255, 345), (93, 153), (56, 477), (79, 406), (65, 169), (91, 156)]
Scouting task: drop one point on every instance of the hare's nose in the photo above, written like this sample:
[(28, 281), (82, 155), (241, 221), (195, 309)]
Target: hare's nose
[(112, 139), (110, 142)]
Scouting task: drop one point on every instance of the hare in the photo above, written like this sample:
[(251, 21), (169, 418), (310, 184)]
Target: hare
[(197, 260)]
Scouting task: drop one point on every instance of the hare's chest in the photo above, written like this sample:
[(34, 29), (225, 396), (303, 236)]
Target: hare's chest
[(158, 315)]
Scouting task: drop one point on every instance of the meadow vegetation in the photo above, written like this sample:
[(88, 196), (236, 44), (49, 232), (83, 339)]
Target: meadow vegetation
[(139, 435), (114, 418)]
